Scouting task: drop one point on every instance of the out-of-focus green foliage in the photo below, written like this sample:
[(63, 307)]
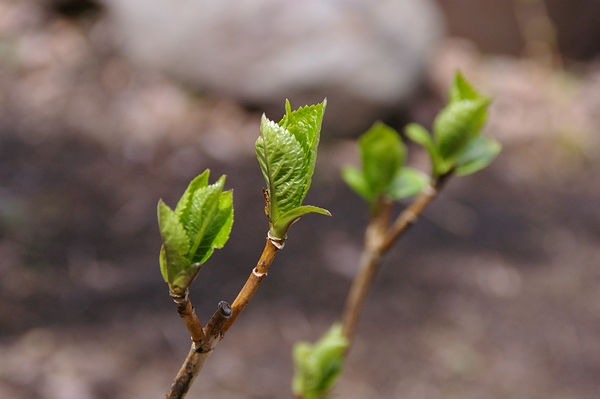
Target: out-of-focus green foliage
[(456, 145), (318, 366), (383, 173)]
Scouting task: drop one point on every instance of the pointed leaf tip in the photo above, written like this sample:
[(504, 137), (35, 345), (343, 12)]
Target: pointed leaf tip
[(461, 89)]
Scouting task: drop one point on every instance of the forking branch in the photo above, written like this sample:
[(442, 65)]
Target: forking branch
[(202, 221)]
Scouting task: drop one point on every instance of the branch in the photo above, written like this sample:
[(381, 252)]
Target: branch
[(411, 213), (188, 314), (205, 340), (370, 258), (272, 246), (379, 238), (199, 353)]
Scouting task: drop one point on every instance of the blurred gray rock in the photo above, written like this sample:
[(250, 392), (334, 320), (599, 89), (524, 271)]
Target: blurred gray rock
[(365, 56)]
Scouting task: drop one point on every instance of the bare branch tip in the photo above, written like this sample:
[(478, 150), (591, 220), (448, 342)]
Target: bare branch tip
[(225, 309)]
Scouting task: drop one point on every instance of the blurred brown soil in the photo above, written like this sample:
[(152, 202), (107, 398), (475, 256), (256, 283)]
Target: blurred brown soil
[(494, 294)]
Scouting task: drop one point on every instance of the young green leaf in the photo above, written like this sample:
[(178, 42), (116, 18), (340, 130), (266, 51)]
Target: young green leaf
[(318, 366), (408, 182), (183, 208), (217, 232), (171, 229), (287, 152), (383, 153), (461, 90), (282, 162), (175, 243), (305, 125), (456, 130), (458, 123), (204, 209), (420, 135), (200, 223), (383, 173), (480, 152), (355, 179)]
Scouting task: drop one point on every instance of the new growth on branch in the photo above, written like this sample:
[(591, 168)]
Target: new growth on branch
[(286, 153), (202, 221)]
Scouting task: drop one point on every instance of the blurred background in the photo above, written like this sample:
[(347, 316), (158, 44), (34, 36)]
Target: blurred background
[(108, 105)]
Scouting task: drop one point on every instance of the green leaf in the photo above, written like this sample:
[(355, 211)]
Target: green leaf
[(461, 89), (225, 216), (420, 135), (458, 123), (171, 230), (287, 219), (461, 119), (287, 154), (318, 366), (282, 162), (383, 153), (175, 243), (478, 154), (454, 128), (217, 233), (201, 221), (182, 210), (408, 182), (355, 179), (203, 209), (164, 269), (383, 173), (171, 263), (305, 124)]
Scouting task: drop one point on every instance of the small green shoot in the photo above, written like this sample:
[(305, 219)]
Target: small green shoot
[(318, 366), (383, 172), (456, 145), (287, 152), (200, 223)]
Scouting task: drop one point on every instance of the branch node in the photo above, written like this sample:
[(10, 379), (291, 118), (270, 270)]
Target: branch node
[(180, 299), (276, 241), (198, 347), (257, 273)]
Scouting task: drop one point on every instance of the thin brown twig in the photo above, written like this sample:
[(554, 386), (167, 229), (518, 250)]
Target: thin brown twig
[(272, 246), (370, 258), (188, 314), (411, 213), (219, 323), (199, 353), (379, 238)]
